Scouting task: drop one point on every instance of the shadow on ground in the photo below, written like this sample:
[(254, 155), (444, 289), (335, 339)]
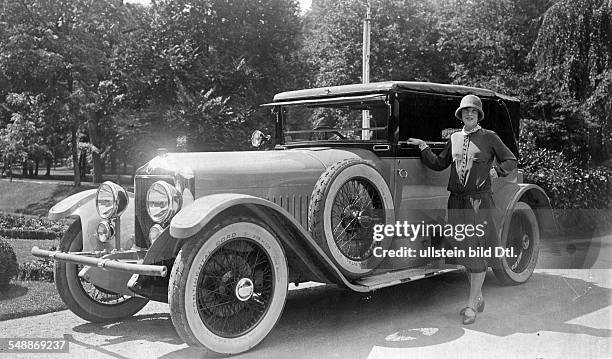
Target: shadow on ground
[(13, 291), (328, 321)]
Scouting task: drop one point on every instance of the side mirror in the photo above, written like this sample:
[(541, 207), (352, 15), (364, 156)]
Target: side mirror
[(258, 138)]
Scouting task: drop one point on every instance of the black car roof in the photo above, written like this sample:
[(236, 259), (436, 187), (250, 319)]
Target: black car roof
[(387, 86)]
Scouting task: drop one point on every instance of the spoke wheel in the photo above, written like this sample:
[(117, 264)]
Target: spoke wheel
[(522, 235), (235, 288), (85, 299), (348, 200), (356, 208), (228, 286)]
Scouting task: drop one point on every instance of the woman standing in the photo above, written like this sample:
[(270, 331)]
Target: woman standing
[(470, 153)]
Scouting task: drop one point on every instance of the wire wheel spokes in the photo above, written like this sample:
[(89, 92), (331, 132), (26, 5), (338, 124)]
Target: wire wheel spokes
[(235, 288), (98, 294), (356, 208), (521, 238)]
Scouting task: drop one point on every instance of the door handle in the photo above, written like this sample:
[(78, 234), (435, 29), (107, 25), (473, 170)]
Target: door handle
[(379, 148)]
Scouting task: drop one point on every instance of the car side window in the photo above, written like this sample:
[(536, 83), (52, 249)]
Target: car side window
[(428, 117), (350, 122)]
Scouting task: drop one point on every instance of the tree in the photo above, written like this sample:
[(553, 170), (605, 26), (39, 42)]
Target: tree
[(402, 47), (573, 55), (200, 69), (486, 43)]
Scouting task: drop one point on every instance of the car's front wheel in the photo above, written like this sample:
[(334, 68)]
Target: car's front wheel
[(83, 298), (228, 286), (523, 238)]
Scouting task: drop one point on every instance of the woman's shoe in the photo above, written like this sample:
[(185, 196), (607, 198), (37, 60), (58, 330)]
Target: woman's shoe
[(468, 319), (479, 307)]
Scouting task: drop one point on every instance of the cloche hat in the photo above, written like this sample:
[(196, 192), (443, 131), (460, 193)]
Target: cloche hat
[(470, 101)]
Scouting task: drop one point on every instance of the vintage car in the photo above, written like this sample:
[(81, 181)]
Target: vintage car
[(220, 236)]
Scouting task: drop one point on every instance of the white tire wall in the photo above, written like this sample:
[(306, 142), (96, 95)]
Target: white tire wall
[(184, 279), (320, 212), (505, 273)]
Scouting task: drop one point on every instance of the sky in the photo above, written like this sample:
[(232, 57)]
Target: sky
[(304, 4)]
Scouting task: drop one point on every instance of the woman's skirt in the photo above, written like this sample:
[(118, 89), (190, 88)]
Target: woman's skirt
[(471, 215)]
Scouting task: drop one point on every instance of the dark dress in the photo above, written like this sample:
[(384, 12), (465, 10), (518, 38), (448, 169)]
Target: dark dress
[(470, 156)]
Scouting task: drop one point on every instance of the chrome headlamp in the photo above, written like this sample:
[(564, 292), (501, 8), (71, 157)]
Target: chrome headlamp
[(111, 200), (163, 201)]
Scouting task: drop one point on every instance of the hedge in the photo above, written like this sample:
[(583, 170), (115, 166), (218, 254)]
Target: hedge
[(15, 226), (8, 264), (580, 195)]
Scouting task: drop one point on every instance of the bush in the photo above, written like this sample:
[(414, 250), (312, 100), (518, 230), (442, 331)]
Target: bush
[(40, 269), (31, 227), (576, 193), (8, 264), (572, 142)]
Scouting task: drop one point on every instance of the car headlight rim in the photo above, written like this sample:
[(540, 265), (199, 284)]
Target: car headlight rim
[(105, 231), (118, 203), (107, 214), (172, 201)]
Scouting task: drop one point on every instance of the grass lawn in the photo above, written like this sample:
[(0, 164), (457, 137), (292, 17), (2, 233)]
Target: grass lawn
[(22, 247), (35, 198), (24, 298)]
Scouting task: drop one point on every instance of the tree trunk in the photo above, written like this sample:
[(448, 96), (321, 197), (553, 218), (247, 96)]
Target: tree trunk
[(75, 158), (113, 163), (36, 169), (94, 138), (24, 168), (48, 162), (83, 163)]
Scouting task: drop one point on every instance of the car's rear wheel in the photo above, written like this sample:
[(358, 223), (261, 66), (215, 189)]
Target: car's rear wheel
[(523, 237), (228, 286), (83, 298), (348, 200)]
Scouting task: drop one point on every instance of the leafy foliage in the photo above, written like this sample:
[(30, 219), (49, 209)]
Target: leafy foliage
[(8, 264), (39, 270), (573, 55), (576, 192), (8, 221), (402, 48)]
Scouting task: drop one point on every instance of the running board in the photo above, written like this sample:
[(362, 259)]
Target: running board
[(388, 279)]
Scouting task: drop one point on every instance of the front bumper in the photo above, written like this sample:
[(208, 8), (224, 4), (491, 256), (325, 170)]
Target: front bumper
[(121, 261)]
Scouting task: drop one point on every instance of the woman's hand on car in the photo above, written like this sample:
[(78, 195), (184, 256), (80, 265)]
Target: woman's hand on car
[(415, 141)]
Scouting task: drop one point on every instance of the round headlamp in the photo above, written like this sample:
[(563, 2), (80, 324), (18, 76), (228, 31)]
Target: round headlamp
[(111, 200), (163, 201), (105, 231)]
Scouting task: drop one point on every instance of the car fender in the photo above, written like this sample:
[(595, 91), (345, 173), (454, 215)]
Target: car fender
[(83, 205), (303, 254), (507, 195)]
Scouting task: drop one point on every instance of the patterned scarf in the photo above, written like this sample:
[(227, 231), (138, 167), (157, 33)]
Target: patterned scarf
[(462, 165)]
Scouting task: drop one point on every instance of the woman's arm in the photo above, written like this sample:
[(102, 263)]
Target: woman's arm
[(430, 159), (505, 158)]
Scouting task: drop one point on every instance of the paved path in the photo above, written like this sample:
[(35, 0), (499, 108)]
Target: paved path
[(557, 314)]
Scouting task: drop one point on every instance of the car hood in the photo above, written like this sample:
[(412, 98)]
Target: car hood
[(217, 172)]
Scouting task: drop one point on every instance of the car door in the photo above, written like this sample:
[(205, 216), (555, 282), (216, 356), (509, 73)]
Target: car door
[(420, 192)]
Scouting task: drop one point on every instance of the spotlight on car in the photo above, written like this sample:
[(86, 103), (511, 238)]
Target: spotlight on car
[(111, 200)]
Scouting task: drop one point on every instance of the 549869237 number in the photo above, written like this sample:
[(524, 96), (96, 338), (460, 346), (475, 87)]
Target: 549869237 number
[(33, 345)]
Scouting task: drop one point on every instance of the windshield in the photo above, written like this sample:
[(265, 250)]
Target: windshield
[(359, 120)]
